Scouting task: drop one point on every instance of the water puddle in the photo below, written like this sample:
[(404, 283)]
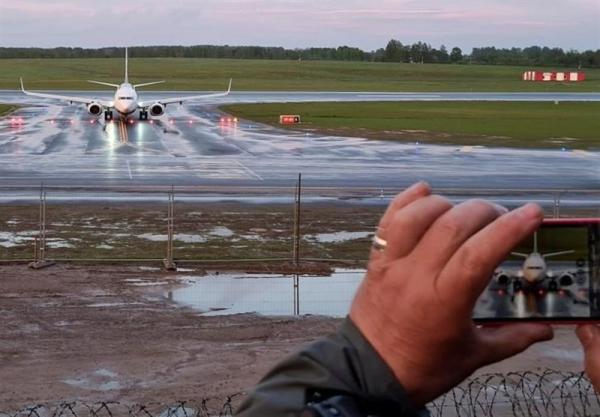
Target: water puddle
[(271, 295), (99, 380), (337, 237)]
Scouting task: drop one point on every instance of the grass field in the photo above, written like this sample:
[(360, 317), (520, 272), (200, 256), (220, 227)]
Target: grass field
[(513, 124), (6, 108), (213, 74)]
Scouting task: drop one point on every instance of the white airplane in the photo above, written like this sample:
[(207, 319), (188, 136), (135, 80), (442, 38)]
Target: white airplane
[(125, 101), (535, 271)]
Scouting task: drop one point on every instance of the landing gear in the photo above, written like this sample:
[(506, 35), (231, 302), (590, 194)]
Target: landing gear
[(108, 115), (517, 286), (143, 115)]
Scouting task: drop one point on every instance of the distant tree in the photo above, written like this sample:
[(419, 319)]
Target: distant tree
[(394, 51), (420, 52), (442, 55), (456, 55)]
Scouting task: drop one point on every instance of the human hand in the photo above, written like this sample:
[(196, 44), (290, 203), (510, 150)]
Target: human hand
[(415, 305), (589, 335)]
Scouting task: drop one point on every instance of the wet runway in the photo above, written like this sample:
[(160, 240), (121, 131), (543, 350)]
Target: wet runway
[(500, 301), (63, 146)]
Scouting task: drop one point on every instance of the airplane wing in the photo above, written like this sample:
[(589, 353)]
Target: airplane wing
[(188, 98), (70, 99)]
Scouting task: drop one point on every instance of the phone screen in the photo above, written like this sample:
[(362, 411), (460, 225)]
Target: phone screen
[(554, 275)]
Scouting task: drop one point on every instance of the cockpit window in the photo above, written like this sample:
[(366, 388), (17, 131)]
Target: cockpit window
[(536, 268), (125, 98)]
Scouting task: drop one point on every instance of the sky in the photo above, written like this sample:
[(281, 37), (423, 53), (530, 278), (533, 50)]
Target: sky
[(569, 24)]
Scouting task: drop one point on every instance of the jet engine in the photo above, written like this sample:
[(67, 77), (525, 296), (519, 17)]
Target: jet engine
[(94, 109), (502, 279), (157, 109), (566, 280)]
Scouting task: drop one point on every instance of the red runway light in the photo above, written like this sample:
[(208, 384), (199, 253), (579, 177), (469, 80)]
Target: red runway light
[(151, 122), (562, 293), (501, 293), (541, 292), (72, 121), (191, 121)]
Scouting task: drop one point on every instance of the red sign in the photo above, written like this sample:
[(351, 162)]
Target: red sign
[(552, 76), (289, 119)]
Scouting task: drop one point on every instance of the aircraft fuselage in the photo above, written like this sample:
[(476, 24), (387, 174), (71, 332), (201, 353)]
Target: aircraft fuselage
[(126, 99)]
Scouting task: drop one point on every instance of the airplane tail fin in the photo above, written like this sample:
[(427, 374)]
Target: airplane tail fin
[(126, 66), (147, 84), (103, 83)]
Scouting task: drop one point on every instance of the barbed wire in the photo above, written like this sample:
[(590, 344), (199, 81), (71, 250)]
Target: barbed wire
[(205, 407), (545, 393), (521, 394)]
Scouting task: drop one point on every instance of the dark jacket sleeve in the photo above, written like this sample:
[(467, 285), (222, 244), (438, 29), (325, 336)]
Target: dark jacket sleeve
[(341, 369)]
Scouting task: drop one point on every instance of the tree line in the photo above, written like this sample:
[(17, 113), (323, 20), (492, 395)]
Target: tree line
[(395, 51)]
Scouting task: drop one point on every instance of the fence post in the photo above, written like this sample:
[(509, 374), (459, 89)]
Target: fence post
[(297, 199), (168, 262), (39, 256), (296, 251)]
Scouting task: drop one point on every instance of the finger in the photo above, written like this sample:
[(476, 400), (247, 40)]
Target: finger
[(469, 271), (501, 343), (410, 224), (411, 194), (589, 335), (451, 230)]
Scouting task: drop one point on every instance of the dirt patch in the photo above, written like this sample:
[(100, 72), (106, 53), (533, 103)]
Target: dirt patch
[(89, 333)]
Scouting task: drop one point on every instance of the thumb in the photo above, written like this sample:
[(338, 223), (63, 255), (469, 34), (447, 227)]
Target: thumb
[(504, 342), (589, 336)]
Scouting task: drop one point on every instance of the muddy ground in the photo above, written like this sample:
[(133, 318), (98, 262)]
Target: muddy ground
[(205, 231), (94, 333), (88, 334)]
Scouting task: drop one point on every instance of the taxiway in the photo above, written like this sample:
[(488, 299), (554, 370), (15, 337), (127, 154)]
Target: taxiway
[(63, 146)]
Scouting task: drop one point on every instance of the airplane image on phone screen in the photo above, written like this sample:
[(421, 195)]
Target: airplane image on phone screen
[(551, 276)]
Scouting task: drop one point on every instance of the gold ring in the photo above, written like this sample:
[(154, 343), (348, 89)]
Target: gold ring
[(379, 243)]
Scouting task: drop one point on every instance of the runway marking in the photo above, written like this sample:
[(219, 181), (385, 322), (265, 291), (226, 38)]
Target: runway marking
[(396, 96), (466, 149), (123, 131), (248, 170), (129, 170)]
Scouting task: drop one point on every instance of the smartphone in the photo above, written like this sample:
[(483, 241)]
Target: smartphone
[(552, 276)]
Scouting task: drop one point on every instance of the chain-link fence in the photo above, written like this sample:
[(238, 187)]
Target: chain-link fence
[(134, 227), (518, 394)]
